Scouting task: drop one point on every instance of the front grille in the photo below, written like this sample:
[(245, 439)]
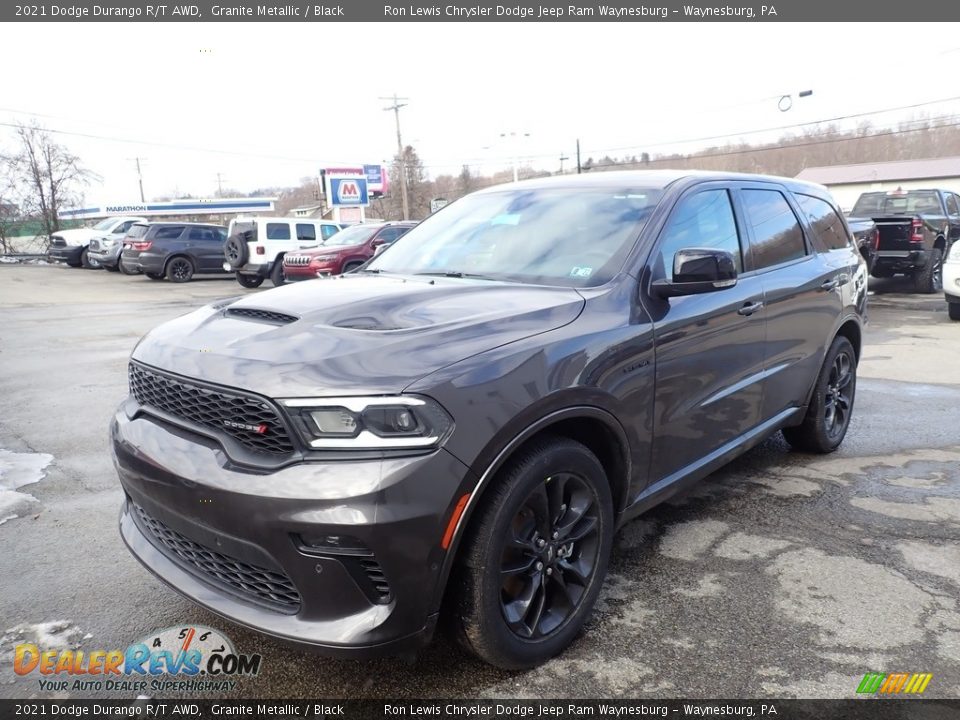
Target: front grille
[(255, 583), (296, 260), (94, 244), (264, 315), (249, 420), (56, 241)]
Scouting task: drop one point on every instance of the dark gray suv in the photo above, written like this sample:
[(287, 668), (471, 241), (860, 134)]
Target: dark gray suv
[(460, 426)]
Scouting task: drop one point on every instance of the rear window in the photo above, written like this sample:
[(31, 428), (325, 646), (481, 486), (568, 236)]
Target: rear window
[(168, 233), (825, 222), (278, 231), (137, 231), (897, 203)]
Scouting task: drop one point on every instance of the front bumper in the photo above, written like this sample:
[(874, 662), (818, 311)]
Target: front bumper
[(109, 255), (65, 253), (377, 593), (305, 272)]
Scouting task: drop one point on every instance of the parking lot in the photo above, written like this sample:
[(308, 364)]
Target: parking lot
[(782, 575)]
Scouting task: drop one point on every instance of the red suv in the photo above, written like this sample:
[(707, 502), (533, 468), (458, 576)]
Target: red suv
[(343, 252)]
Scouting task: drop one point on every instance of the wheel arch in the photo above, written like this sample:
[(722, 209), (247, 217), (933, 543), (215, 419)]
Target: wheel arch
[(594, 427)]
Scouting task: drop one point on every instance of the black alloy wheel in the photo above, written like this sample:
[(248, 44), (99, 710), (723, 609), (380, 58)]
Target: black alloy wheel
[(838, 400), (551, 555), (179, 270)]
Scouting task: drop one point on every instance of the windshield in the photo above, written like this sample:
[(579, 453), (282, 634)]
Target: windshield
[(105, 224), (355, 235), (568, 237), (902, 203), (247, 228)]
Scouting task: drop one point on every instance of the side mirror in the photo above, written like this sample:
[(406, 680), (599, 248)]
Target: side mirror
[(697, 271)]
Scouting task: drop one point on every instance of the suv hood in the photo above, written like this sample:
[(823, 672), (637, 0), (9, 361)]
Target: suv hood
[(357, 334), (79, 236)]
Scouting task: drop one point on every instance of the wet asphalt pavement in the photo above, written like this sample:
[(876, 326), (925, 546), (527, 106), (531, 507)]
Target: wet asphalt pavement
[(782, 575)]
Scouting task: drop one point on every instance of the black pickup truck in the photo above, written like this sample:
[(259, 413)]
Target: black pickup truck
[(915, 231)]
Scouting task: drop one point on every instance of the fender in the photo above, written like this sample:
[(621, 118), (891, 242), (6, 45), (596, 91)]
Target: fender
[(487, 474)]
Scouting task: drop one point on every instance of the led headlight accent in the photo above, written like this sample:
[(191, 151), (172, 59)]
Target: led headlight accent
[(370, 423)]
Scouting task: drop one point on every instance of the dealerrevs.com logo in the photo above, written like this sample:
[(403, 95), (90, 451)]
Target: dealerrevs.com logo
[(188, 658)]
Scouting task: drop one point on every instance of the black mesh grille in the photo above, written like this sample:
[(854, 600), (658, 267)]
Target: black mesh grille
[(260, 585), (264, 315), (251, 421)]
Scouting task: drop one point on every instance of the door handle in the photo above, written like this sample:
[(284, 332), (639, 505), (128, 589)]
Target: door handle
[(749, 308), (829, 285)]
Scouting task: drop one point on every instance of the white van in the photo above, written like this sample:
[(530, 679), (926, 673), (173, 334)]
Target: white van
[(256, 245)]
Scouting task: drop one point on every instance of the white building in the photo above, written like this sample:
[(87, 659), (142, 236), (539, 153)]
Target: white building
[(847, 182)]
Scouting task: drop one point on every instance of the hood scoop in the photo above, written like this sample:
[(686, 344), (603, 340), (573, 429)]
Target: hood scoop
[(264, 316)]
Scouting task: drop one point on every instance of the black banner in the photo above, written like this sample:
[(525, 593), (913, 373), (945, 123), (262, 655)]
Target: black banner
[(867, 709), (482, 11)]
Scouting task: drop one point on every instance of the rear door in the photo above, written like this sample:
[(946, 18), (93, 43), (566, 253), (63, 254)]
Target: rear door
[(206, 246), (709, 347), (801, 287)]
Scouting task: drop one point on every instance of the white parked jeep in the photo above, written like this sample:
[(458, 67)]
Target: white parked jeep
[(255, 246)]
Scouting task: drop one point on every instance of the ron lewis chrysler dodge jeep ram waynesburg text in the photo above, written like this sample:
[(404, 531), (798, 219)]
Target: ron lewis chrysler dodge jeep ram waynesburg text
[(460, 426)]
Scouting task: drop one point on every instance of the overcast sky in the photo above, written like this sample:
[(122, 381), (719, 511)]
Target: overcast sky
[(266, 104)]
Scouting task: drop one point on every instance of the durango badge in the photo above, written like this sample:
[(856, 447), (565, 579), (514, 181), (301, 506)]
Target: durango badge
[(260, 429)]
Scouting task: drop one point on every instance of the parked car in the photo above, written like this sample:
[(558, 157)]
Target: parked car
[(951, 282), (345, 251), (460, 427), (176, 251), (866, 235), (71, 246), (256, 246), (916, 230), (106, 251)]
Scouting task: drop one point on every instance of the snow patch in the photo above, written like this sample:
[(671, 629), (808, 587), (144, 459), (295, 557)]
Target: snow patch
[(17, 470), (51, 635)]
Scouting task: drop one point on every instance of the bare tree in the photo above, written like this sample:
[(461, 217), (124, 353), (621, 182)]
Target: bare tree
[(46, 175)]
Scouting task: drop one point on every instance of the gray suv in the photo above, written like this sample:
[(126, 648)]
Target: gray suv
[(460, 426)]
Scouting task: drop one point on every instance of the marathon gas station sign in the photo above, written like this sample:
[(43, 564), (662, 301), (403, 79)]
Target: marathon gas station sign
[(215, 206)]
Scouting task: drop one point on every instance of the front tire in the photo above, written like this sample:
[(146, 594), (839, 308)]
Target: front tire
[(179, 270), (249, 281), (953, 310), (88, 262), (831, 407), (535, 556), (929, 278), (276, 272)]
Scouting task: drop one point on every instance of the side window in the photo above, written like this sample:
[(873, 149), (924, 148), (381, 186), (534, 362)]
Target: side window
[(123, 227), (777, 237), (388, 235), (306, 231), (222, 234), (825, 222), (704, 220), (328, 231), (952, 208), (168, 233), (278, 231)]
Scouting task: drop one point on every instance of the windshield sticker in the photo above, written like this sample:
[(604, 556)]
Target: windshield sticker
[(506, 219), (581, 272)]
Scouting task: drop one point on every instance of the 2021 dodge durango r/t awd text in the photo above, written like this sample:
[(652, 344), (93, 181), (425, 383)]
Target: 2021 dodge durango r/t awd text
[(461, 425)]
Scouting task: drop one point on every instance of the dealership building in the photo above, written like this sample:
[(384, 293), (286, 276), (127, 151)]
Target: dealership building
[(848, 182)]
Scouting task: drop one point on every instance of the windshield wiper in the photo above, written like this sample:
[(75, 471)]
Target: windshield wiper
[(457, 274)]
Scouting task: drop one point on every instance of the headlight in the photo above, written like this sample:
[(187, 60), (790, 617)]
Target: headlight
[(323, 258), (370, 423)]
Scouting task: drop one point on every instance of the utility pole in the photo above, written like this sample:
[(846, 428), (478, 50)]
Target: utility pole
[(578, 157), (219, 185), (140, 179), (403, 169), (562, 158)]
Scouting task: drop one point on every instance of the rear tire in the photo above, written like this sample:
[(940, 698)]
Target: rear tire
[(350, 267), (953, 310), (831, 406), (535, 556), (929, 278), (88, 262), (276, 272), (249, 281), (179, 269)]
